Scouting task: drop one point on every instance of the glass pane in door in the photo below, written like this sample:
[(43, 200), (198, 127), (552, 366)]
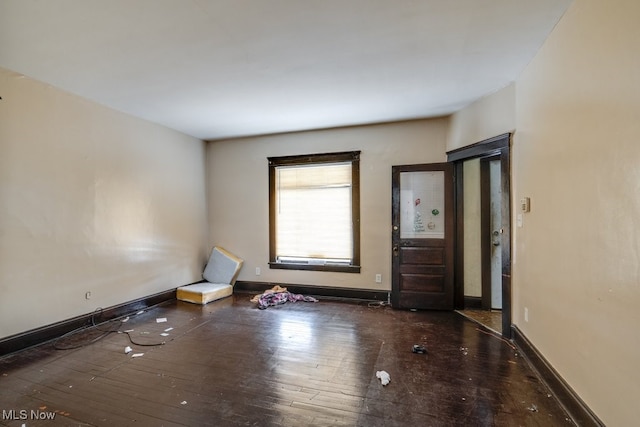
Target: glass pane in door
[(422, 205)]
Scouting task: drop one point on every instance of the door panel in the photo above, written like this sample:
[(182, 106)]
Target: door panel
[(422, 236), (492, 232), (497, 229), (430, 256), (420, 282)]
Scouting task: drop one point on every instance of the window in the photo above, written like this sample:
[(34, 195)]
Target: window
[(314, 212)]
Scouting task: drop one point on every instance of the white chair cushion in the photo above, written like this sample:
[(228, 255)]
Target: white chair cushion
[(203, 293), (223, 267)]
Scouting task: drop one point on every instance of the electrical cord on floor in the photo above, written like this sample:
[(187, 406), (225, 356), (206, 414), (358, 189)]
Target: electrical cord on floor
[(104, 332), (156, 344)]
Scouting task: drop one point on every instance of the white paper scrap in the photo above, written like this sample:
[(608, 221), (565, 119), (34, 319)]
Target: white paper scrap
[(140, 312), (126, 319), (127, 350), (137, 355), (127, 331), (168, 329), (184, 402), (164, 334), (161, 319), (384, 377)]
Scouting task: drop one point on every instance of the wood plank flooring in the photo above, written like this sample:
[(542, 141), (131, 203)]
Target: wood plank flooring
[(299, 364), (491, 319)]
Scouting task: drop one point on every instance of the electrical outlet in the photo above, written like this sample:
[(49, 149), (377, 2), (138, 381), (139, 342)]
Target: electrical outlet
[(87, 295), (526, 314), (378, 278), (257, 271)]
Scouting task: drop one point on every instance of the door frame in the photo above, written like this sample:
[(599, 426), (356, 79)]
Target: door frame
[(496, 146)]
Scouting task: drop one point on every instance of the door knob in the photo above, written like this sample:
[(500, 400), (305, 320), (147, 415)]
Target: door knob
[(496, 238), (395, 250)]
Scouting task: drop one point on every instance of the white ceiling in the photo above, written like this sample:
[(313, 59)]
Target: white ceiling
[(227, 68)]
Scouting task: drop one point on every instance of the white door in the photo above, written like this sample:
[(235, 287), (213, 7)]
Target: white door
[(496, 234)]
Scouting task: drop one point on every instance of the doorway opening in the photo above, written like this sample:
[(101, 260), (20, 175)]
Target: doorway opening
[(482, 288)]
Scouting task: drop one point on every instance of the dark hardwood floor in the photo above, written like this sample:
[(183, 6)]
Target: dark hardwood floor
[(490, 319), (299, 364)]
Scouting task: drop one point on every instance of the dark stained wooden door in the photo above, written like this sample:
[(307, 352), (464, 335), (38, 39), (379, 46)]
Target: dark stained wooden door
[(422, 236)]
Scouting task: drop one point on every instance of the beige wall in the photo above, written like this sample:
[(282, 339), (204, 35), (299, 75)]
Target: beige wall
[(576, 154), (91, 200), (576, 260), (490, 116), (238, 193)]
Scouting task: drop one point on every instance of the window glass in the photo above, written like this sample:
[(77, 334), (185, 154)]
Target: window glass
[(314, 221)]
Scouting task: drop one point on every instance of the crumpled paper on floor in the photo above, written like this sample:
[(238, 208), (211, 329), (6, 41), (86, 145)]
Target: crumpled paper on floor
[(384, 377)]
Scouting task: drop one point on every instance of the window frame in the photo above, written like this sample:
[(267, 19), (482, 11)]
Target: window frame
[(310, 159)]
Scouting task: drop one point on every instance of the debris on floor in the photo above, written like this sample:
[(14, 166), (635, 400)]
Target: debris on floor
[(533, 408), (161, 319), (420, 349), (278, 295), (464, 350), (137, 355), (127, 350), (384, 377), (276, 289)]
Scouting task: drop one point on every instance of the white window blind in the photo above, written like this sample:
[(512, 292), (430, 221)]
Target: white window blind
[(313, 212)]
